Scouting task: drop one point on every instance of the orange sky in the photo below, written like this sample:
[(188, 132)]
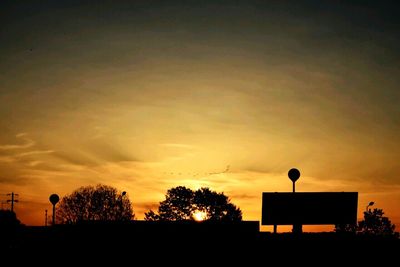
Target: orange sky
[(147, 96)]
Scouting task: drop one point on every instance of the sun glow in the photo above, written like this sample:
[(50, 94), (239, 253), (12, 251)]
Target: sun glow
[(199, 215)]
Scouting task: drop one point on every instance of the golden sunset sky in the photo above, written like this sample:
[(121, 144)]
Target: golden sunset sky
[(148, 95)]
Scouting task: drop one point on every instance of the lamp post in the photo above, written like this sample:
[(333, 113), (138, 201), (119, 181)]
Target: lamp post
[(122, 203), (369, 205)]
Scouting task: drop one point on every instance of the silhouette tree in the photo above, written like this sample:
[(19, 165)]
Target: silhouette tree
[(375, 223), (346, 228), (100, 203), (8, 218), (182, 204), (151, 216), (9, 229), (216, 206)]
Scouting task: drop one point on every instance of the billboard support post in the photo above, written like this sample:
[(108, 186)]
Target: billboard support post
[(294, 175)]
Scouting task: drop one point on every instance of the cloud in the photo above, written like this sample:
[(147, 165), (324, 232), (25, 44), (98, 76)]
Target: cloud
[(76, 158), (175, 145), (16, 165), (7, 159), (14, 178), (10, 154), (23, 136), (243, 196), (257, 169), (34, 163), (34, 152), (145, 206), (95, 154), (19, 157)]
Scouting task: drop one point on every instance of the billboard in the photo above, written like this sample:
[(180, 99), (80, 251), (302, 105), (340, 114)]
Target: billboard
[(309, 208)]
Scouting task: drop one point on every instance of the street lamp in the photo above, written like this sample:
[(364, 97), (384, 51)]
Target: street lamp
[(370, 204), (121, 203)]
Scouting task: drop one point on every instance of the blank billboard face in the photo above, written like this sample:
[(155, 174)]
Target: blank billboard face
[(309, 208)]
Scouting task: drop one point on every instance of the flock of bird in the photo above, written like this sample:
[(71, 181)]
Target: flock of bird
[(206, 174)]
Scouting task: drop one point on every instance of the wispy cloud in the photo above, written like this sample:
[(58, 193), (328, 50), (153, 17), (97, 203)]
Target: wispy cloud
[(34, 152), (243, 196), (23, 136), (176, 145), (94, 154), (11, 152), (34, 163), (19, 159), (146, 206), (7, 159)]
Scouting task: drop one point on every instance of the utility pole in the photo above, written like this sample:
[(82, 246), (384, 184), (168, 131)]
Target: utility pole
[(45, 218), (12, 200)]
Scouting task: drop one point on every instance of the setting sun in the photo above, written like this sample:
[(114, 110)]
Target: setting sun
[(199, 215)]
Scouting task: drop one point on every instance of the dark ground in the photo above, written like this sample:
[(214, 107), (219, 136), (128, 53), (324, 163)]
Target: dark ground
[(182, 243)]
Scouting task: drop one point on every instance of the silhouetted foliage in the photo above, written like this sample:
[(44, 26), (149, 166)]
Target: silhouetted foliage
[(151, 216), (346, 228), (100, 203), (182, 203), (8, 218), (216, 206), (177, 205), (374, 223)]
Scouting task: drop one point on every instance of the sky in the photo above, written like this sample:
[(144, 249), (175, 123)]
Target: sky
[(148, 95)]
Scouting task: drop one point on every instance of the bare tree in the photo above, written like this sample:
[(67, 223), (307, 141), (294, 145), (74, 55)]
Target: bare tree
[(100, 203)]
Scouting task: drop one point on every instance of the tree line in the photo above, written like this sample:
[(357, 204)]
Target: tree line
[(105, 203)]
